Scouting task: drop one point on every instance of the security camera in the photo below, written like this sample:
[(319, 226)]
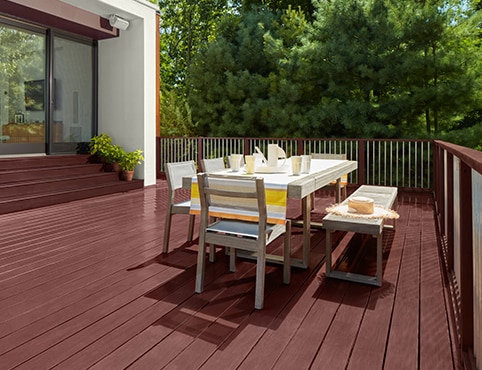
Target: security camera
[(118, 22)]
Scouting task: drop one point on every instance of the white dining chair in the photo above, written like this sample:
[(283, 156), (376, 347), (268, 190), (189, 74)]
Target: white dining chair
[(228, 196), (213, 164), (174, 173), (343, 180)]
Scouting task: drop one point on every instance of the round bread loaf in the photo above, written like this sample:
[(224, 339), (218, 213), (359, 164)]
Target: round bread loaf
[(361, 205)]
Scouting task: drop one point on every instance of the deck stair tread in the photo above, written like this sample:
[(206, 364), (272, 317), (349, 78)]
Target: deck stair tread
[(32, 182), (43, 161), (62, 182), (82, 174), (126, 185), (22, 174)]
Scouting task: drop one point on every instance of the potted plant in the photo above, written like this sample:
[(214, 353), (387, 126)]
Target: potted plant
[(100, 145), (114, 155), (128, 161)]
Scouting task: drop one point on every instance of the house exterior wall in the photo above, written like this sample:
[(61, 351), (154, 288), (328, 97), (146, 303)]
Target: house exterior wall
[(127, 79)]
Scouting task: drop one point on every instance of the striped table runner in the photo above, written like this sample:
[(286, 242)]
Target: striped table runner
[(276, 194)]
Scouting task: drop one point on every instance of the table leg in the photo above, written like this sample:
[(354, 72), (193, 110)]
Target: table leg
[(306, 205), (338, 190)]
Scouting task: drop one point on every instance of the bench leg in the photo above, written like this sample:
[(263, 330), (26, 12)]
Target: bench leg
[(379, 259), (328, 252)]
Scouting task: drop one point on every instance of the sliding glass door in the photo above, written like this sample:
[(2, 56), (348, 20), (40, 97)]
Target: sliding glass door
[(22, 90), (47, 90), (72, 94)]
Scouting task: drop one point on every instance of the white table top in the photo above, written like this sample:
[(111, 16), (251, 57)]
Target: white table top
[(322, 172)]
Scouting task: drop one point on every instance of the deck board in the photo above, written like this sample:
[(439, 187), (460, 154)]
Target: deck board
[(83, 292), (403, 342)]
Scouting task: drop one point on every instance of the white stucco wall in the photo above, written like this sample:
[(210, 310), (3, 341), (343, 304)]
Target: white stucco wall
[(127, 79)]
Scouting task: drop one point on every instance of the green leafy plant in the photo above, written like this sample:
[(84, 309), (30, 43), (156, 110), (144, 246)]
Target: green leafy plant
[(114, 153), (100, 145), (130, 160)]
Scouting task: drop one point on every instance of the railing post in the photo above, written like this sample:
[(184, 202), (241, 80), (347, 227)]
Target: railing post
[(246, 146), (438, 171), (466, 282), (361, 162), (158, 157), (200, 153), (301, 148), (450, 211)]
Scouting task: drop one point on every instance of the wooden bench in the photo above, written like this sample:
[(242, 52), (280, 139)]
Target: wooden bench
[(383, 196)]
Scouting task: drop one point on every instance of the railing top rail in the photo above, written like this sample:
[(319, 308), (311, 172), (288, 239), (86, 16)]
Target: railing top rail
[(291, 138), (472, 157)]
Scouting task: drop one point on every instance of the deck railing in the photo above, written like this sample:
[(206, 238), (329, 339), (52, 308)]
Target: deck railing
[(458, 195), (401, 163), (451, 172)]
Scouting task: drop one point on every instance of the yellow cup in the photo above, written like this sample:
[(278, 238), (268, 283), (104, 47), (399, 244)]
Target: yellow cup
[(295, 164), (249, 159)]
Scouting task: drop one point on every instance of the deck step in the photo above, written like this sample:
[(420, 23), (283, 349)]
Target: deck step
[(28, 174), (16, 163), (32, 182)]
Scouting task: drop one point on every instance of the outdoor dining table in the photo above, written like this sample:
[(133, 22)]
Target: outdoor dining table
[(322, 172)]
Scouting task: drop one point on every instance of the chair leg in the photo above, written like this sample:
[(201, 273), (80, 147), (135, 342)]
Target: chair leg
[(260, 275), (287, 254), (212, 253), (212, 248), (167, 232), (232, 259), (192, 219), (201, 265)]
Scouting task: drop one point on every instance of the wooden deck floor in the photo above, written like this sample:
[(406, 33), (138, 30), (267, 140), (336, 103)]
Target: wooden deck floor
[(83, 285)]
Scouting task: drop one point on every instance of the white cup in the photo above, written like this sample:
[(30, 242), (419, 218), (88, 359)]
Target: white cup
[(249, 159), (235, 162), (295, 164), (305, 163)]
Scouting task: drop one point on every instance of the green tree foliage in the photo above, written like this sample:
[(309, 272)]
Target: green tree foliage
[(393, 68), (361, 68), (304, 5), (242, 84), (442, 62), (175, 115), (185, 27)]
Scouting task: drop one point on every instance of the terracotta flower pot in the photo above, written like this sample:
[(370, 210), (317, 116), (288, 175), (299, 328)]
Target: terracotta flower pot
[(116, 167), (127, 175)]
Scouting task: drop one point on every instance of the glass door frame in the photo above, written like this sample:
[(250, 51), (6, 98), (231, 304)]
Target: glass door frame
[(71, 147), (49, 146), (29, 148)]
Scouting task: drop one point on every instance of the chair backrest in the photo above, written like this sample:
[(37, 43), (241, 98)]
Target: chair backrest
[(233, 197), (344, 178), (213, 164), (176, 171)]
